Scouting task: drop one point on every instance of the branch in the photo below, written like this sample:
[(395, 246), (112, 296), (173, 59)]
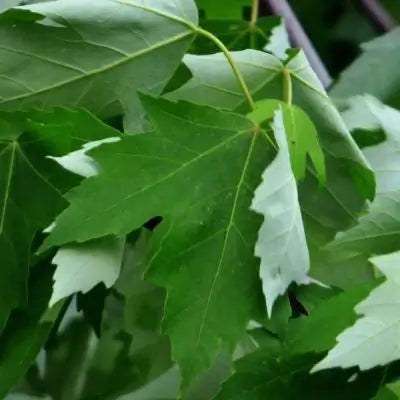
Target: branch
[(299, 38), (379, 16)]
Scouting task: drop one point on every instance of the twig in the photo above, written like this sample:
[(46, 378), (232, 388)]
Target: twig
[(379, 15), (299, 38)]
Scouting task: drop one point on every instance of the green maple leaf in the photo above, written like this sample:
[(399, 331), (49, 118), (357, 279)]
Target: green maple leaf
[(328, 209), (349, 178), (372, 340), (205, 244), (110, 50), (265, 76)]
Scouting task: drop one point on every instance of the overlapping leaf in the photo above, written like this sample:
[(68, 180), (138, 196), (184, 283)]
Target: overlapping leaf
[(264, 74), (204, 246), (300, 133), (264, 375), (281, 243), (27, 331), (265, 78), (318, 331), (110, 49), (378, 230), (29, 200), (325, 210), (81, 267), (373, 339)]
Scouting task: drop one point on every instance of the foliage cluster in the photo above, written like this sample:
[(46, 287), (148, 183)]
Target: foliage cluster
[(185, 212)]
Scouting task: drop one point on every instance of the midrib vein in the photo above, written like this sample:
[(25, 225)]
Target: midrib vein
[(103, 69), (228, 231), (7, 190)]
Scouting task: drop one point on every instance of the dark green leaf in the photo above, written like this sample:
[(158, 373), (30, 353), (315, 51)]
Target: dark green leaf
[(26, 331), (262, 375), (318, 331), (28, 202), (218, 157), (225, 9)]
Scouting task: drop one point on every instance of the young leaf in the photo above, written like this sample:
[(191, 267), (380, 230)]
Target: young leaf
[(302, 137), (373, 339), (203, 251), (303, 140), (281, 243), (80, 267), (111, 49)]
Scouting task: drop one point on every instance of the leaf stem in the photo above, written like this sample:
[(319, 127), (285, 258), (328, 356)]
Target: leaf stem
[(254, 16), (287, 87), (232, 63), (254, 12)]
